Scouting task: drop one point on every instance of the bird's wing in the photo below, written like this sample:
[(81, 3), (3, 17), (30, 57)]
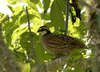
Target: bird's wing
[(62, 41), (56, 40), (75, 43)]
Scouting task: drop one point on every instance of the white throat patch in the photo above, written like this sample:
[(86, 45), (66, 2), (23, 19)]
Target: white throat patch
[(43, 32)]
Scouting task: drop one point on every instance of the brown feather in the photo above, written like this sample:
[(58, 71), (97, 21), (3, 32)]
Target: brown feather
[(60, 44)]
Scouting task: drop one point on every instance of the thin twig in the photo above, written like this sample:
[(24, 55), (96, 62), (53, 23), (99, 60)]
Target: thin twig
[(67, 11), (64, 68), (31, 36)]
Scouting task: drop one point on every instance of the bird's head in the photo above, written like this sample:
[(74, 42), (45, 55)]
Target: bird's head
[(44, 30)]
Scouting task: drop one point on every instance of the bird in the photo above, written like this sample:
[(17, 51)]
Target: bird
[(58, 44)]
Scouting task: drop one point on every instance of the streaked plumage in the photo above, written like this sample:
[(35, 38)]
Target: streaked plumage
[(58, 44)]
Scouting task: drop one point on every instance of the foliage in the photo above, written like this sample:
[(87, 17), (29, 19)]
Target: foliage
[(16, 33)]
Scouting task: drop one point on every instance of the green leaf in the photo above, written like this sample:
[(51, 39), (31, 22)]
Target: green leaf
[(45, 16), (13, 2), (11, 8), (3, 18), (23, 19), (56, 15), (9, 28), (26, 68), (41, 53), (25, 40), (32, 5), (20, 56), (34, 1), (17, 11), (46, 4)]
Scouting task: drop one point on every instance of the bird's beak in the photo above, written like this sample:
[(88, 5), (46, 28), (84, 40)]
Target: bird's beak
[(38, 30)]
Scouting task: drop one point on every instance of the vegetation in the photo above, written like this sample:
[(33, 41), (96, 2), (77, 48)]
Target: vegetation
[(21, 38)]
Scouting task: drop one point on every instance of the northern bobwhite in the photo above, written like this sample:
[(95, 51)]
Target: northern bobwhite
[(58, 44)]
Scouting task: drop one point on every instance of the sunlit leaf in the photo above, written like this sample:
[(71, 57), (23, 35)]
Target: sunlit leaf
[(26, 68), (13, 2)]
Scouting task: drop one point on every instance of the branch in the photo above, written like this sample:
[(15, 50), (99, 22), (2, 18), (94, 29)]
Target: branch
[(93, 7), (67, 11), (31, 37)]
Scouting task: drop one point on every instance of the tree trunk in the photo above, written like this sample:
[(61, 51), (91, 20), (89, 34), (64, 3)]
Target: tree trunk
[(93, 27)]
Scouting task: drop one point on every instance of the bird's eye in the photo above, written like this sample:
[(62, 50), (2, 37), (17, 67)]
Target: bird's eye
[(42, 29)]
